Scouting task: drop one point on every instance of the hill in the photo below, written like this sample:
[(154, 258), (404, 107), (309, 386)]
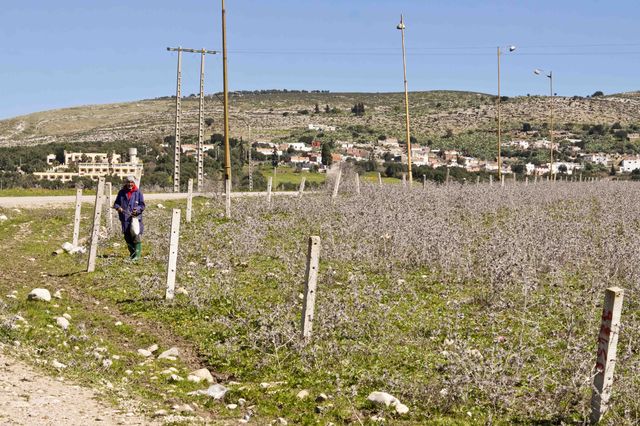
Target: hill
[(276, 115)]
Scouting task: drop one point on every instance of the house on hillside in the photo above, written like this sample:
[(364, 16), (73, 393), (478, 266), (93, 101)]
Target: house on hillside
[(93, 165)]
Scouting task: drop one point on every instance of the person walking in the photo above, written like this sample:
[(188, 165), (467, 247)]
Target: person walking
[(130, 204)]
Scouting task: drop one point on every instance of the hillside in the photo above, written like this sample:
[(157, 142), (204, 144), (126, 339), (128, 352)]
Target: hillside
[(273, 115)]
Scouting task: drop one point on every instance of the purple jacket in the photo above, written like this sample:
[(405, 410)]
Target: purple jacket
[(129, 205)]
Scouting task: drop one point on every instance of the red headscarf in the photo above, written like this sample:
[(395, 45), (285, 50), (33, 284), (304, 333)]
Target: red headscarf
[(133, 189)]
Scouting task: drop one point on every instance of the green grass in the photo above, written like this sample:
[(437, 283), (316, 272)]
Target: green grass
[(40, 192)]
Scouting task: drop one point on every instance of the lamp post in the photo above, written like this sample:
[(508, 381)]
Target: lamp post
[(549, 75), (401, 27), (509, 49)]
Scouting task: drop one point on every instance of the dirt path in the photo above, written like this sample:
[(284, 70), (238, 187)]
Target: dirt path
[(29, 398)]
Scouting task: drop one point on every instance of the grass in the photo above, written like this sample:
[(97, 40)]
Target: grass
[(41, 192), (456, 350)]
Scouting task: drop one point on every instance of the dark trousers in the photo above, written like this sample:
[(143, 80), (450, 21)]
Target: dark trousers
[(131, 245)]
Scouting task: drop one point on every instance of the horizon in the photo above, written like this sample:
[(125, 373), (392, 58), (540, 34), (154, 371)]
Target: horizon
[(64, 54)]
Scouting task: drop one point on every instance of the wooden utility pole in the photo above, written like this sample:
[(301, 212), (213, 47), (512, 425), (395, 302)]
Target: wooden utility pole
[(227, 151)]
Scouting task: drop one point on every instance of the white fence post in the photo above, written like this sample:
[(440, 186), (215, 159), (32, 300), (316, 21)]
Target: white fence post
[(336, 185), (606, 356), (424, 181), (404, 180), (502, 181), (95, 231), (173, 254), (301, 188), (379, 179), (227, 203), (189, 200), (310, 285), (447, 177), (76, 218), (109, 212), (490, 180), (357, 183), (269, 185)]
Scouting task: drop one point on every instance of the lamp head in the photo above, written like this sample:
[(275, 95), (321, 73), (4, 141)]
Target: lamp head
[(537, 71), (512, 48), (400, 26)]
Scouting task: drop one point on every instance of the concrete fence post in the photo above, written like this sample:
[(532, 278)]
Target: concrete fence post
[(424, 181), (189, 199), (172, 263), (357, 184), (109, 212), (336, 185), (502, 181), (310, 285), (606, 355), (301, 188), (379, 179), (526, 180), (227, 203), (448, 176), (404, 180), (478, 180), (269, 184), (76, 218), (490, 180), (95, 230)]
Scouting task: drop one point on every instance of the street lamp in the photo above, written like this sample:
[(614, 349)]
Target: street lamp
[(406, 100), (509, 49), (549, 75)]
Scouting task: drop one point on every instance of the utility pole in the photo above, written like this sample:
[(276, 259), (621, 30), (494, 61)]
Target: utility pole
[(199, 151), (401, 27), (227, 152)]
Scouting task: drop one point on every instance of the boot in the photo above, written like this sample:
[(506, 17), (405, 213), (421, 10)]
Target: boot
[(138, 252), (132, 250)]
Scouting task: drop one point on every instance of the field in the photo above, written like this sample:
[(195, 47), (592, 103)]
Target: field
[(471, 304)]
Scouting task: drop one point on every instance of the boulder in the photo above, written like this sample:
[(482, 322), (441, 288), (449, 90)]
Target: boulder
[(217, 391), (39, 294), (170, 354), (200, 375), (62, 322)]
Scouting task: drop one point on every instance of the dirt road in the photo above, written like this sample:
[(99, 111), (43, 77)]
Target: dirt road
[(28, 397), (68, 200)]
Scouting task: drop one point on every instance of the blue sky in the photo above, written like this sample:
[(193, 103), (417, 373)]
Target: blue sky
[(76, 52)]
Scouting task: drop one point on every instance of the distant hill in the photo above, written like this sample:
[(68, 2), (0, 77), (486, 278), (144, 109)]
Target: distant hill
[(269, 116)]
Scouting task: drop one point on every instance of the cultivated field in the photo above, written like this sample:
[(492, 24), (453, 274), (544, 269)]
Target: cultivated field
[(471, 304)]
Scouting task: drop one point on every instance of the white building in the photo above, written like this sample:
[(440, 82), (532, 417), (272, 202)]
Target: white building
[(629, 165)]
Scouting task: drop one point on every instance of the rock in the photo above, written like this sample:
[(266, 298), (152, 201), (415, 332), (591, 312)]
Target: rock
[(183, 291), (241, 401), (232, 406), (58, 365), (383, 398), (202, 374), (39, 294), (217, 391), (145, 353), (185, 408), (282, 421), (62, 322), (160, 206), (303, 394), (175, 378), (107, 363), (401, 409), (170, 354), (3, 217), (118, 323), (67, 316), (377, 419), (152, 348), (57, 294), (160, 413), (322, 397)]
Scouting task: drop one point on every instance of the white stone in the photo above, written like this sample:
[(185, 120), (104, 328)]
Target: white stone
[(67, 316), (152, 348), (401, 409), (118, 323), (383, 398), (303, 394), (57, 294), (282, 421), (183, 291), (145, 353), (232, 406), (62, 322), (107, 363), (172, 353), (175, 378), (202, 374), (3, 217), (160, 206), (58, 365), (39, 294), (217, 391)]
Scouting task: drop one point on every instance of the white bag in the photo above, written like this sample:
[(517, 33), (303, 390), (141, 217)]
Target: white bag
[(135, 227)]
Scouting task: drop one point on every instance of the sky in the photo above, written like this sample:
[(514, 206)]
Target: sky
[(68, 53)]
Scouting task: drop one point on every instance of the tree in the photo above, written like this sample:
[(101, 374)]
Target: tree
[(526, 127), (275, 158), (597, 93), (317, 109), (326, 154), (327, 109), (208, 121)]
